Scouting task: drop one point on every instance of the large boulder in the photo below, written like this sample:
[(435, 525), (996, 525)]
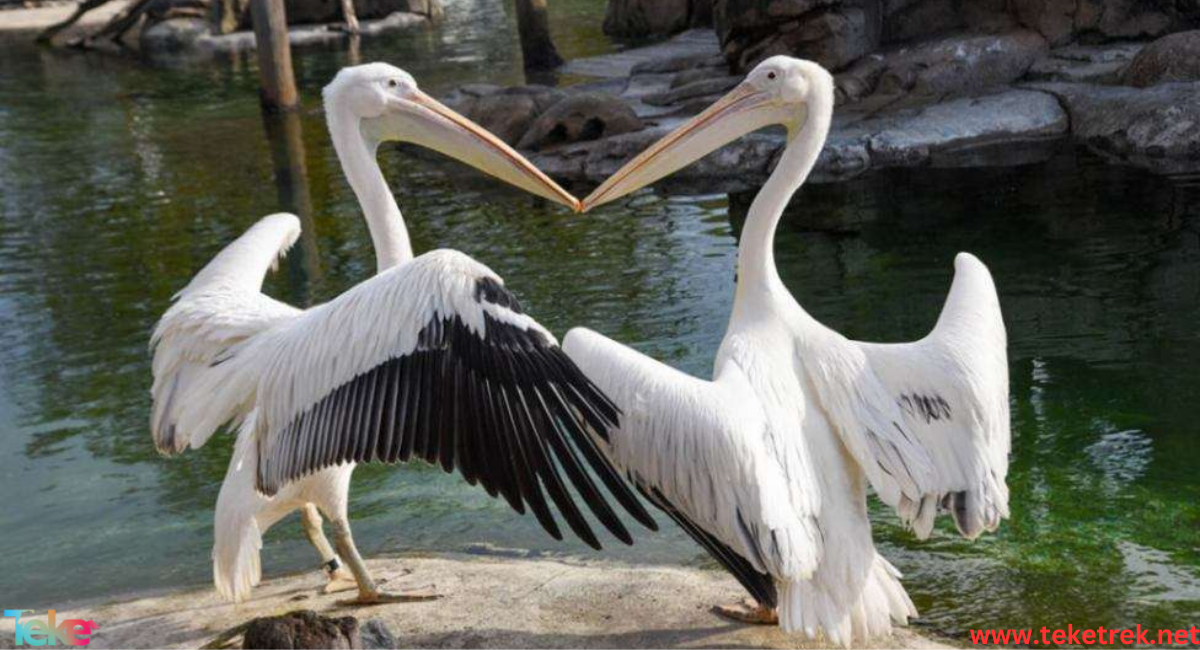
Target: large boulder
[(833, 33), (910, 20), (506, 112), (578, 118), (952, 65), (172, 36), (837, 33), (644, 18), (1062, 21), (506, 116), (1156, 127), (1175, 57), (302, 629), (958, 64)]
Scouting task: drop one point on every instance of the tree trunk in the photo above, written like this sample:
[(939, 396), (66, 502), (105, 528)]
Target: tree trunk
[(533, 24), (349, 15), (274, 56)]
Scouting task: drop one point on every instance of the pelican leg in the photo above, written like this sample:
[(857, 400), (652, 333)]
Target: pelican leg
[(340, 579), (749, 611), (368, 592)]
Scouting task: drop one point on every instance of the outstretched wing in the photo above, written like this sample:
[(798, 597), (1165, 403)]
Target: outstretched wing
[(952, 387), (432, 359), (696, 448), (928, 420), (222, 306)]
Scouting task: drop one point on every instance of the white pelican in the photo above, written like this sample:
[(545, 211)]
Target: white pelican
[(432, 358), (767, 464)]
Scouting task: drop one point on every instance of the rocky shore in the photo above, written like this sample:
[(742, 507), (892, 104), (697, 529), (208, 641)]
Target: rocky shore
[(488, 602), (963, 99), (166, 31)]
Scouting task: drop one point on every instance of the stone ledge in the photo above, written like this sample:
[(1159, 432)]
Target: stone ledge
[(489, 602)]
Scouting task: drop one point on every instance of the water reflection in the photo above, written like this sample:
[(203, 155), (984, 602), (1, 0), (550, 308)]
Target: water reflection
[(284, 131)]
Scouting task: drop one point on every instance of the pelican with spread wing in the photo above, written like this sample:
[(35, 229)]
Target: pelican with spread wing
[(432, 358), (767, 464)]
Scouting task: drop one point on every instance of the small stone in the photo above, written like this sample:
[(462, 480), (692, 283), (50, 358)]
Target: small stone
[(302, 629), (376, 636)]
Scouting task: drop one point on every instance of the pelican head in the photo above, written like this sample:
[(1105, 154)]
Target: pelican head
[(389, 106), (780, 90)]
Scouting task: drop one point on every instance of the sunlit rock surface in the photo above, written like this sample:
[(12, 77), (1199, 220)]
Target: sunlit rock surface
[(489, 603)]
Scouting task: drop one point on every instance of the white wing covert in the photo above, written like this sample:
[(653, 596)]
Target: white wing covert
[(432, 359), (952, 387), (928, 421), (696, 449), (223, 305)]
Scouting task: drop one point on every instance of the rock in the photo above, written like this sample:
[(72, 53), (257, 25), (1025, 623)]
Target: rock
[(906, 20), (170, 37), (506, 112), (984, 129), (1134, 18), (961, 64), (376, 636), (578, 118), (643, 18), (497, 602), (1156, 127), (1053, 19), (1062, 21), (833, 33), (692, 46), (909, 137), (860, 79), (463, 97), (1084, 63), (697, 74), (1175, 57), (302, 629), (692, 61), (508, 117), (543, 96), (703, 88)]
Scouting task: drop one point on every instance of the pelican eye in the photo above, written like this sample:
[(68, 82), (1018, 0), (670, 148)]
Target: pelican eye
[(770, 75), (392, 82)]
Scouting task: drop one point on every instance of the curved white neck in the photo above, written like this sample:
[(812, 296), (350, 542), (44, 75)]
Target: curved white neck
[(357, 156), (756, 254)]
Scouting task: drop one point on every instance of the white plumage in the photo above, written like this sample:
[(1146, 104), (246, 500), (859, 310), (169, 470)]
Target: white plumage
[(221, 306), (431, 358), (767, 464)]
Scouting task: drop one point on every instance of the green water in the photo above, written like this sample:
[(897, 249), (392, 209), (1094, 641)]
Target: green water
[(117, 183)]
